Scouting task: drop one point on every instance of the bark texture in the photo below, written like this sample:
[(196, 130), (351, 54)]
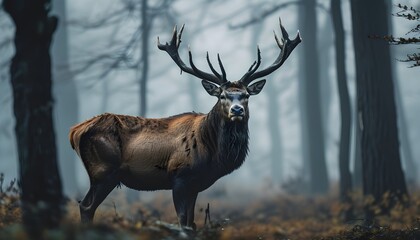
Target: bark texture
[(312, 127), (30, 72), (345, 109), (381, 164)]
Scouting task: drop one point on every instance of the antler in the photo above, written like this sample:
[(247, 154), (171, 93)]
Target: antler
[(172, 49), (286, 46)]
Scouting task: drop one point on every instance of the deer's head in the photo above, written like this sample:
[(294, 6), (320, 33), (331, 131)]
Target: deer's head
[(232, 96)]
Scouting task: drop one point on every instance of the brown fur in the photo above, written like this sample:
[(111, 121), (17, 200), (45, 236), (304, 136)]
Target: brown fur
[(78, 130), (168, 134)]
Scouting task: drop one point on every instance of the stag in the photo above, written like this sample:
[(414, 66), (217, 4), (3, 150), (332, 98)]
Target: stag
[(185, 153)]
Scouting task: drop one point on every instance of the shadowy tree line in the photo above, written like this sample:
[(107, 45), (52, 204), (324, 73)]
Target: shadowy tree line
[(42, 198)]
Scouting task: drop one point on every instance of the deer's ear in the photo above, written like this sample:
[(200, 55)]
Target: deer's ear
[(256, 88), (211, 88)]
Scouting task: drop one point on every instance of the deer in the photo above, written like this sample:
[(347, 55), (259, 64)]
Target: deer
[(185, 153)]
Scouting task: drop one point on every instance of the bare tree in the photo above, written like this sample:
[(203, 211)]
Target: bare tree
[(312, 127), (66, 104), (357, 172), (122, 54), (42, 199), (146, 22), (382, 172), (325, 44), (345, 109)]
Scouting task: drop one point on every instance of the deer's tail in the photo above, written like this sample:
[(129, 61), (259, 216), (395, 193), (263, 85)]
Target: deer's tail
[(77, 131)]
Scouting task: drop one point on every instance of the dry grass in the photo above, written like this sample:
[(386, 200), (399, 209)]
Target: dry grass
[(278, 217)]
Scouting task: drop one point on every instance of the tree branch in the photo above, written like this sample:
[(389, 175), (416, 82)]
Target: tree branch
[(270, 11), (265, 13), (106, 20)]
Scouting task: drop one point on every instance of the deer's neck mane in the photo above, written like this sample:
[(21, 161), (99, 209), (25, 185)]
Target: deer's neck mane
[(226, 141)]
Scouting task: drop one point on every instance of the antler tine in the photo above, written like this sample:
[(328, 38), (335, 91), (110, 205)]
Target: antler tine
[(286, 46), (211, 67), (255, 65), (258, 60), (172, 49), (204, 75), (252, 65), (178, 40), (222, 68), (280, 42), (284, 33)]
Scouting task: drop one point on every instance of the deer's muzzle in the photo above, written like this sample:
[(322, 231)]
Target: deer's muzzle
[(236, 112)]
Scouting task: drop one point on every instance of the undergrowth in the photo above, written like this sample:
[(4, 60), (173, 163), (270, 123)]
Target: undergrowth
[(283, 216)]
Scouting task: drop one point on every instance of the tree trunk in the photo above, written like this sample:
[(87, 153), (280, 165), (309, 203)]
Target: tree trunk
[(66, 106), (345, 109), (357, 172), (276, 147), (409, 164), (381, 165), (42, 200), (325, 43), (145, 25), (275, 136), (407, 153), (312, 129), (305, 175)]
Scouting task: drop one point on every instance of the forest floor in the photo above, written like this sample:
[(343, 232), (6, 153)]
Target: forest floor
[(282, 216)]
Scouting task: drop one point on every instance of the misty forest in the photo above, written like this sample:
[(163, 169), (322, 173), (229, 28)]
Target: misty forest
[(176, 119)]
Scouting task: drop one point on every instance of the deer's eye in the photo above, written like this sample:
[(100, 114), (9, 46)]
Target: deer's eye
[(244, 97)]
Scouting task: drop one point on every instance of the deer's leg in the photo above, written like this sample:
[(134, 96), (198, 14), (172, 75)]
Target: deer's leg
[(101, 157), (184, 201), (96, 195), (190, 211)]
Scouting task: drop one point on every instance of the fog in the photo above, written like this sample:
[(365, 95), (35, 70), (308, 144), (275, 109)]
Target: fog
[(209, 26)]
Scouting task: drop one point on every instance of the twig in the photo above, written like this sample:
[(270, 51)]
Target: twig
[(1, 182), (263, 15), (107, 20), (207, 214), (11, 185), (115, 210)]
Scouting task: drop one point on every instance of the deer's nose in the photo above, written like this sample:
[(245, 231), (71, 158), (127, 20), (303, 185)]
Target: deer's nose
[(237, 110)]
